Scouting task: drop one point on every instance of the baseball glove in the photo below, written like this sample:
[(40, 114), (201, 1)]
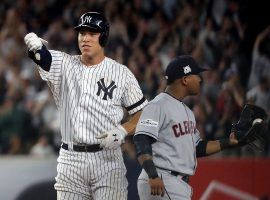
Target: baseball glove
[(250, 125)]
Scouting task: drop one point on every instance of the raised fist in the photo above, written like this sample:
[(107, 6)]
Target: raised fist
[(33, 42)]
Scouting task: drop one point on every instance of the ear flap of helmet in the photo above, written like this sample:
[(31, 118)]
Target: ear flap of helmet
[(104, 35)]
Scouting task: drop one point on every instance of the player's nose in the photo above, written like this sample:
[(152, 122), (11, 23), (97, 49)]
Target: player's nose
[(87, 37)]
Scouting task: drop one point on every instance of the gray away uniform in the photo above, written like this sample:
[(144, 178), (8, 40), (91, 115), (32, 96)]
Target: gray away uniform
[(172, 124)]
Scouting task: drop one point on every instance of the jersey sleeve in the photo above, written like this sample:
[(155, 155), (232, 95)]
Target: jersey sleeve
[(53, 77), (150, 121), (133, 99), (55, 73), (197, 136)]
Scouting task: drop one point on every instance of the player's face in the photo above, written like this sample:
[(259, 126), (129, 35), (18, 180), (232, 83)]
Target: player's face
[(89, 43), (193, 84)]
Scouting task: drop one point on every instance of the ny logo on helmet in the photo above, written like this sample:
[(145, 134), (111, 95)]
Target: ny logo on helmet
[(86, 19), (108, 91), (187, 69)]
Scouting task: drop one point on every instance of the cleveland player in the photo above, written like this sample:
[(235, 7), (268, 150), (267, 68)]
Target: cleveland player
[(166, 138), (90, 91)]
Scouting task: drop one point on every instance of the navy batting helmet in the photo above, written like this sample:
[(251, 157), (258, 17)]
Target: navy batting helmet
[(96, 22)]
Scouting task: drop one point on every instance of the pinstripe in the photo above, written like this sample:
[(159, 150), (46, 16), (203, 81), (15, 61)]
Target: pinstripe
[(113, 177), (115, 182), (78, 165), (85, 114), (66, 84), (70, 195)]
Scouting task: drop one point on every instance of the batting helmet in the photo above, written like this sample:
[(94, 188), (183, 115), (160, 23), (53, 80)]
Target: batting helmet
[(96, 22)]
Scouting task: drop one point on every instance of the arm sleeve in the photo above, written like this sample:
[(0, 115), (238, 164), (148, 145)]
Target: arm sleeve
[(150, 121), (133, 99), (44, 60), (201, 149), (143, 144)]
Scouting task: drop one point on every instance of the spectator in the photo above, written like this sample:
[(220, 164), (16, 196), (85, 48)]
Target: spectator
[(260, 58), (260, 94)]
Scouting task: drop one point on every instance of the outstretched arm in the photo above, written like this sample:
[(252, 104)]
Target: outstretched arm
[(219, 145), (248, 128), (206, 148)]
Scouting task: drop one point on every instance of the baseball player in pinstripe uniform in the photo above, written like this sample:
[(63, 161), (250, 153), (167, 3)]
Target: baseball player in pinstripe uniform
[(166, 138), (90, 91)]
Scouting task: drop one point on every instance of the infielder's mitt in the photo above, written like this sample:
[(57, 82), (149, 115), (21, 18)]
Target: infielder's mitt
[(250, 124)]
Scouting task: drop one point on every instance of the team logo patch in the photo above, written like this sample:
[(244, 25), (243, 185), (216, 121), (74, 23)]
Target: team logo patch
[(149, 122), (107, 90), (187, 69)]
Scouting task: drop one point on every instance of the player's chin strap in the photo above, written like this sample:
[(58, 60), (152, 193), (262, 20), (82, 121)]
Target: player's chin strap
[(165, 188)]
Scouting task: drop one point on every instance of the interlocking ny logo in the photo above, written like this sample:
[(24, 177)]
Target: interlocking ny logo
[(187, 69), (108, 91)]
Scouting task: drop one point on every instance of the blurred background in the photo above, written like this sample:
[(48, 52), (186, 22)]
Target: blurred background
[(232, 37)]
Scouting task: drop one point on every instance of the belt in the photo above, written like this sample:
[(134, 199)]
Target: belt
[(184, 177), (83, 148)]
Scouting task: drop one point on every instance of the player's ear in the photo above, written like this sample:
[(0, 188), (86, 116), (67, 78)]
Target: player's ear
[(184, 80)]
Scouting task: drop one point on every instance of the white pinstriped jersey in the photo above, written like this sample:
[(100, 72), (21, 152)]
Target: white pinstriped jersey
[(91, 99), (173, 125)]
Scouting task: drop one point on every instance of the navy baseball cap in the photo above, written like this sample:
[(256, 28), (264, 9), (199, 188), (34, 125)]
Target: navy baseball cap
[(182, 66)]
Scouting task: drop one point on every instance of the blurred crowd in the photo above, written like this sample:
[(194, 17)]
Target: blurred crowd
[(144, 35)]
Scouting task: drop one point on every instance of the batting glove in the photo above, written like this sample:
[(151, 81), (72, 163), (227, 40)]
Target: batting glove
[(33, 42), (113, 138)]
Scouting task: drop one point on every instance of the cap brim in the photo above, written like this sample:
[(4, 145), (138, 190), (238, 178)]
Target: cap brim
[(200, 70), (87, 28), (204, 69)]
